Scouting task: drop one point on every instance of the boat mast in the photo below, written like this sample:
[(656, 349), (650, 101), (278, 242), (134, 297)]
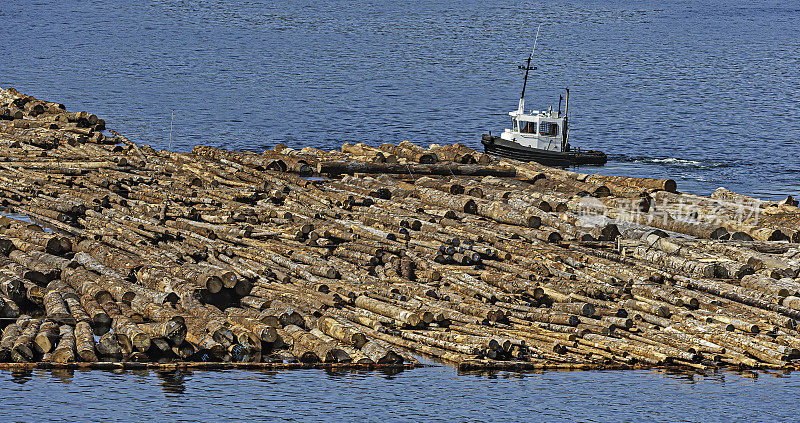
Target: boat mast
[(527, 68), (566, 122)]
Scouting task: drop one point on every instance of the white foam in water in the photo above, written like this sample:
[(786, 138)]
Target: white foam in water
[(673, 160)]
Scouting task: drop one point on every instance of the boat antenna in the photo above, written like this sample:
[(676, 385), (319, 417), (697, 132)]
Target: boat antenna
[(528, 68), (560, 99), (566, 120)]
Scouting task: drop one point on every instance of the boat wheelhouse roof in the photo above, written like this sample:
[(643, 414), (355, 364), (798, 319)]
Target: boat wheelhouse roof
[(533, 115), (517, 113)]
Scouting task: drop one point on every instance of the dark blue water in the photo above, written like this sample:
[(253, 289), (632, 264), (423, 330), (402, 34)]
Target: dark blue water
[(705, 92), (430, 394)]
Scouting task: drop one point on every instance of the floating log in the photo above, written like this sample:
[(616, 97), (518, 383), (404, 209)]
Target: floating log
[(65, 350), (352, 167), (84, 342), (23, 349), (47, 337), (305, 343), (218, 257)]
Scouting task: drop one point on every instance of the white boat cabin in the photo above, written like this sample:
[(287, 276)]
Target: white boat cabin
[(542, 130)]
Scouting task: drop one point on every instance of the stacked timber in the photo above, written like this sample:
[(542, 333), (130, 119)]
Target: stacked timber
[(131, 254)]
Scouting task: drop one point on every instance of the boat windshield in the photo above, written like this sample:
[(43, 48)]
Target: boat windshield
[(548, 128), (527, 127)]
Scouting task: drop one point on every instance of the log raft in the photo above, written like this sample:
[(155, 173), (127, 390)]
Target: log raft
[(136, 258)]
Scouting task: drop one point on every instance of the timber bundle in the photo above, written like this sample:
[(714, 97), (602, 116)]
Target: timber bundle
[(371, 254)]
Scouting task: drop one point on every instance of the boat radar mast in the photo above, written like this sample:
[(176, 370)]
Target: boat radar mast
[(527, 68)]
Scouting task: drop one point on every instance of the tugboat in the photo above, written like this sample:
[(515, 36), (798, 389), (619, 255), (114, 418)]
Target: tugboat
[(541, 137)]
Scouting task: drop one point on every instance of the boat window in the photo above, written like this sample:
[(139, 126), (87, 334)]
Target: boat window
[(548, 128), (514, 124), (527, 127)]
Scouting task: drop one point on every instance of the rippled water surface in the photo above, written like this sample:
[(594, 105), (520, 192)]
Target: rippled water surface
[(704, 92), (428, 394)]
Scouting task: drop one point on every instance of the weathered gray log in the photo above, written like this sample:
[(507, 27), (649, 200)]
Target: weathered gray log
[(409, 151), (172, 330), (265, 332), (51, 243), (647, 183), (84, 342), (657, 310), (379, 354), (364, 150), (306, 342), (9, 337), (79, 280), (351, 167), (501, 212), (56, 308), (581, 309), (47, 337), (65, 350), (342, 332), (285, 314), (24, 349), (384, 309), (131, 333), (733, 197), (98, 317), (108, 346), (769, 285)]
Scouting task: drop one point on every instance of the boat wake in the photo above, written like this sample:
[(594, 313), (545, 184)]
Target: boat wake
[(674, 162)]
